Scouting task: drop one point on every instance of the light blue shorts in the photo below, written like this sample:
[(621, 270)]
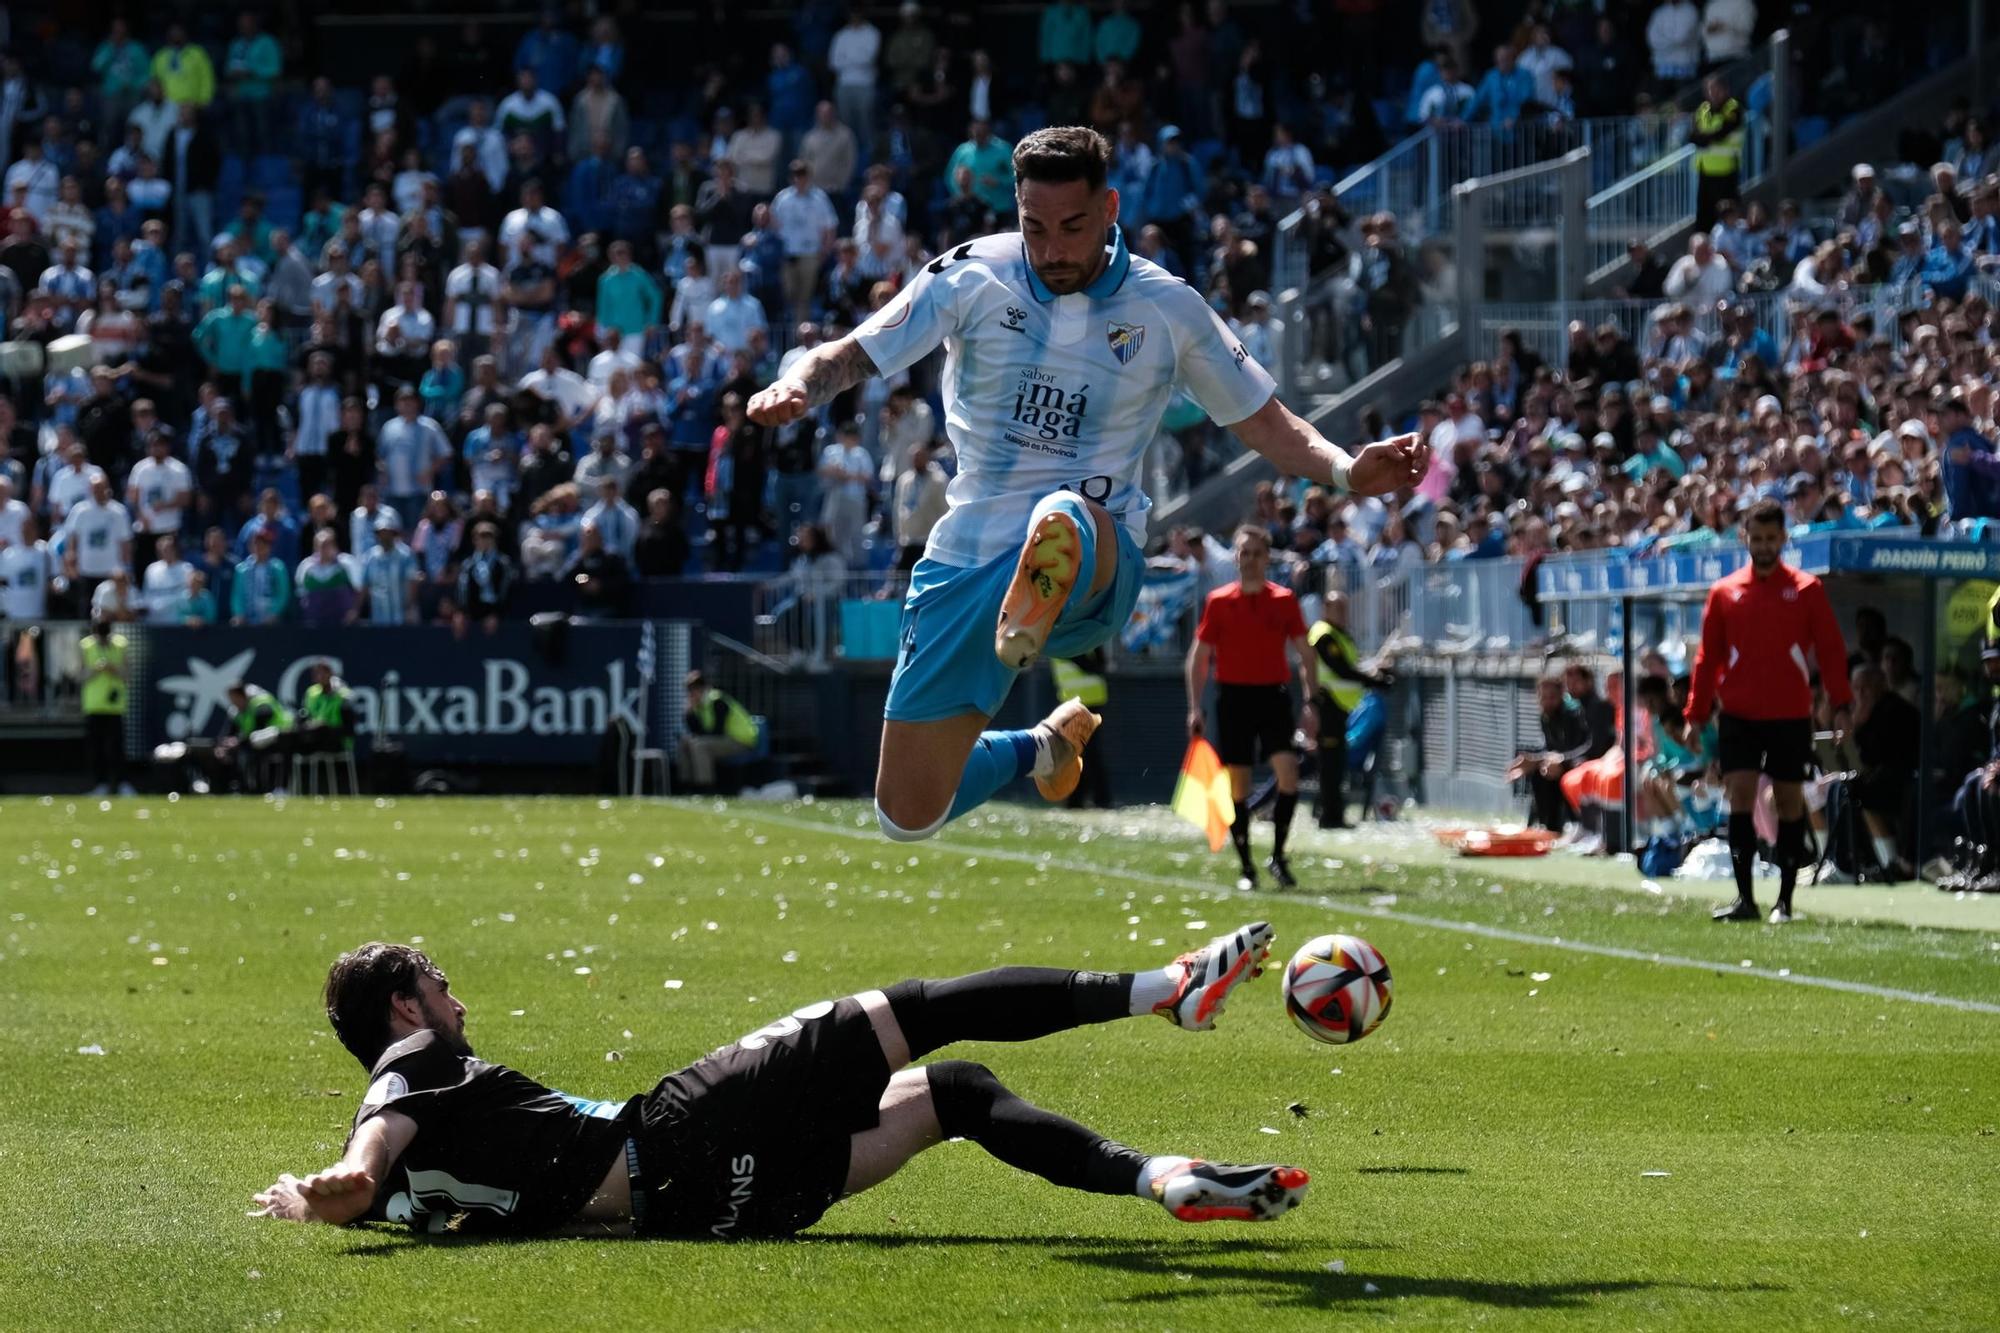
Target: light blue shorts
[(946, 665)]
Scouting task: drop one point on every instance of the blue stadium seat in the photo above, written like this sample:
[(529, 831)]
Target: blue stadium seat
[(284, 205), (1809, 130), (1208, 152), (271, 170)]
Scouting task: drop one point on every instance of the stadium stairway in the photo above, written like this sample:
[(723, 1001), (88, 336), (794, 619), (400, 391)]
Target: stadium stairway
[(787, 698)]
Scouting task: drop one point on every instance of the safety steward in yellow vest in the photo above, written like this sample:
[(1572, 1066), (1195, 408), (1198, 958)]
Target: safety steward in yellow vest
[(104, 697), (1717, 136), (716, 728), (329, 710), (1340, 684), (1083, 680)]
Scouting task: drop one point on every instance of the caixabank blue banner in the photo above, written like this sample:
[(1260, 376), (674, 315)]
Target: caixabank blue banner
[(514, 696)]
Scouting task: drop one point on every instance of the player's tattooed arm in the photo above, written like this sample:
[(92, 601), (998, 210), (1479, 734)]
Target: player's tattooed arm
[(1274, 431), (820, 376)]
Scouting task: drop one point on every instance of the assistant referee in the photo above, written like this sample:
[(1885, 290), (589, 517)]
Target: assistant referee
[(1756, 629), (1246, 630)]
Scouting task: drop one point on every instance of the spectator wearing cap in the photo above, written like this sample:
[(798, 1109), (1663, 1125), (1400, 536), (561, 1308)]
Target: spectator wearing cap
[(807, 226), (389, 575)]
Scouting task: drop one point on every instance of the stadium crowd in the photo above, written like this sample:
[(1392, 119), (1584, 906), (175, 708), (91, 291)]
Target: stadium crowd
[(285, 347), (282, 347)]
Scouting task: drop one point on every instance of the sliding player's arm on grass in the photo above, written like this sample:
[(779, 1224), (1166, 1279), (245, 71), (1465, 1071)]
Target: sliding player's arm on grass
[(342, 1192)]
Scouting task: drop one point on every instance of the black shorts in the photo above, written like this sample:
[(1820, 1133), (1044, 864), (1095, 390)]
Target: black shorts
[(1253, 719), (753, 1139), (1779, 748)]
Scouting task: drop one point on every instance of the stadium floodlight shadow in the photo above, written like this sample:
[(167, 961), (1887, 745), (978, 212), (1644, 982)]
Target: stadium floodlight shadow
[(1315, 1288)]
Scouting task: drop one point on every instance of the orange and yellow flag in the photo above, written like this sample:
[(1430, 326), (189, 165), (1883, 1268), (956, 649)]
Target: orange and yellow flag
[(1202, 796)]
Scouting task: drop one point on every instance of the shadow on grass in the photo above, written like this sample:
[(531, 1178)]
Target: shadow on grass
[(1412, 1171), (1315, 1287)]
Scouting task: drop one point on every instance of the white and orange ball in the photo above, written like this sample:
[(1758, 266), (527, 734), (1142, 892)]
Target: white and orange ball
[(1337, 988)]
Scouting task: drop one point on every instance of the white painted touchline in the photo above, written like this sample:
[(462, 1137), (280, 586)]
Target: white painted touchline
[(1046, 862)]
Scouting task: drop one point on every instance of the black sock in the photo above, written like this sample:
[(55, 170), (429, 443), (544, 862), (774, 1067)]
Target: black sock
[(1791, 856), (1743, 852), (1239, 833), (972, 1104), (1006, 1004), (1288, 801)]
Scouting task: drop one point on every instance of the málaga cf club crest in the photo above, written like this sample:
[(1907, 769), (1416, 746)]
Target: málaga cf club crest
[(1125, 340)]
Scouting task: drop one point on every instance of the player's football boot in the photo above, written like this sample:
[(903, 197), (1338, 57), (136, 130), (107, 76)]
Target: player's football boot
[(1743, 909), (1210, 973), (1065, 732), (1281, 870), (1781, 915), (1051, 563), (1205, 1192)]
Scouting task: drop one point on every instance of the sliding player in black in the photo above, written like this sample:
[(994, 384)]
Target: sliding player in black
[(758, 1138)]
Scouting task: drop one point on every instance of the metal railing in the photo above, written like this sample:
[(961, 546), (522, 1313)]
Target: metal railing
[(810, 621), (1544, 325), (1651, 205)]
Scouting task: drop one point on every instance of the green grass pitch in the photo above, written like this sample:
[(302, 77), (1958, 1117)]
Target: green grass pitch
[(1544, 1134)]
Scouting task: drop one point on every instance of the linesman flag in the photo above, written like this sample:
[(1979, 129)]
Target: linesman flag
[(1202, 796)]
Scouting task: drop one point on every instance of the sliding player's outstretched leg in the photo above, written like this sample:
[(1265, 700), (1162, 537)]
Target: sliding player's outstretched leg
[(1024, 1003), (959, 1099)]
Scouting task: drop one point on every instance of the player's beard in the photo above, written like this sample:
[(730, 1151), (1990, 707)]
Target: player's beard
[(450, 1029)]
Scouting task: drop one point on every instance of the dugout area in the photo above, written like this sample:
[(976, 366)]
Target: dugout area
[(1932, 592)]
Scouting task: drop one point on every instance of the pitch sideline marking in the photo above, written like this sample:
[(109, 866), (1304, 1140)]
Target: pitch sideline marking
[(1409, 919)]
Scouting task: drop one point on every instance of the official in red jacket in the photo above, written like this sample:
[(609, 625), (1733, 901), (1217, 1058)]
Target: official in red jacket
[(1757, 629)]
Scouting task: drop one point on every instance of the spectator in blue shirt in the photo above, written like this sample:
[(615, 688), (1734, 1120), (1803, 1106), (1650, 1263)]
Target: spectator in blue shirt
[(1971, 472), (789, 96), (550, 51), (325, 140), (1504, 91), (589, 188), (1173, 194), (1949, 267), (272, 521)]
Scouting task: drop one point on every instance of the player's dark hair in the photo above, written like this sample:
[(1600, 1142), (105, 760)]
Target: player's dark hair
[(358, 989), (1766, 511), (1063, 153)]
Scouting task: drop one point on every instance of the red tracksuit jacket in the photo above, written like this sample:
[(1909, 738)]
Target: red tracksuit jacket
[(1755, 634)]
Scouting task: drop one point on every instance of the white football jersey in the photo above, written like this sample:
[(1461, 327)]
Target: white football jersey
[(1044, 393)]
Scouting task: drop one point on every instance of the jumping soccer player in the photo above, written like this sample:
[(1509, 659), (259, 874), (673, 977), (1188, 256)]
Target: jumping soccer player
[(1756, 629), (759, 1138), (1063, 351)]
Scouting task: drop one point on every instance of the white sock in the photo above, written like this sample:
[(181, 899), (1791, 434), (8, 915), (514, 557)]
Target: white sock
[(1045, 760), (1157, 1168), (1885, 851), (1155, 987)]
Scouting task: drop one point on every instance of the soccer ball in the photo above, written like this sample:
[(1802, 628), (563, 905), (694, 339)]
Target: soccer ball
[(1337, 988)]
